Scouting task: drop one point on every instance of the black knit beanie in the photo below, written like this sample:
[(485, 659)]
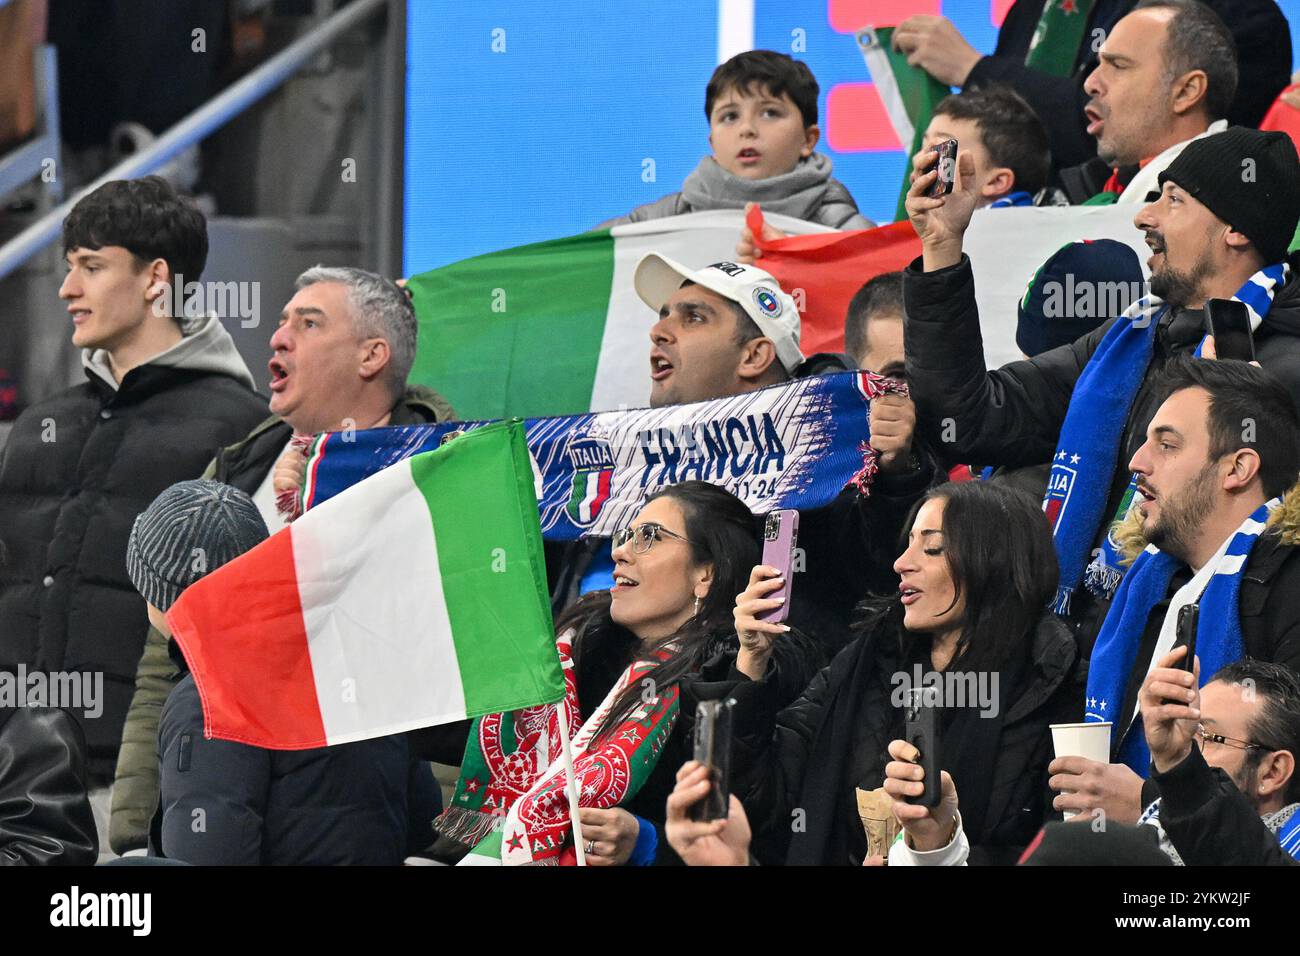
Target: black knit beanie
[(1248, 178)]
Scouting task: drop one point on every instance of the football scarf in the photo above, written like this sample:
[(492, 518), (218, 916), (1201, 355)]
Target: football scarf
[(1085, 459), (1218, 632), (510, 801)]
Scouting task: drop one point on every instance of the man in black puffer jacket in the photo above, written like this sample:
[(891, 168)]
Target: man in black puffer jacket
[(1013, 416), (162, 394)]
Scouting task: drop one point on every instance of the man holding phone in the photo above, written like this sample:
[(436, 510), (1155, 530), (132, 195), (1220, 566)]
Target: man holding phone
[(1220, 229)]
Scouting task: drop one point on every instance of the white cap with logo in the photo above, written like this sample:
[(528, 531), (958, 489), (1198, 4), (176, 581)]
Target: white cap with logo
[(757, 292)]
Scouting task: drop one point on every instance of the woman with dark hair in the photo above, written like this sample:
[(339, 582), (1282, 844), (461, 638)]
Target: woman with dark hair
[(643, 654), (977, 574)]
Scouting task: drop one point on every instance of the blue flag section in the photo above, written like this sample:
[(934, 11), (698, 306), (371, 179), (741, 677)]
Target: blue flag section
[(794, 445)]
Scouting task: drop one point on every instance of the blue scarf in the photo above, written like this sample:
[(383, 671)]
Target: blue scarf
[(1012, 199), (1085, 459), (1218, 633)]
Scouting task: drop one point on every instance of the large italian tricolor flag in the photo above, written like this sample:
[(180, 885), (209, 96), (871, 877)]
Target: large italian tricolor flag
[(417, 597), (555, 328)]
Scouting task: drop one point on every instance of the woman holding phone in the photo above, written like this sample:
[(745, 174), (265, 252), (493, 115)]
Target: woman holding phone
[(970, 618), (644, 653)]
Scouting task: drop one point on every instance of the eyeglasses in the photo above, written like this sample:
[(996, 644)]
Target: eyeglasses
[(643, 536), (1209, 738)]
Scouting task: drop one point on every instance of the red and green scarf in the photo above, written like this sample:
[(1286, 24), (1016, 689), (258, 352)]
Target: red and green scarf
[(510, 802)]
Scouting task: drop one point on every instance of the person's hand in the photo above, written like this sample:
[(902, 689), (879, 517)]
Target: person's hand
[(928, 828), (935, 45), (1209, 351), (610, 834), (941, 221), (1110, 787), (746, 250), (876, 860), (892, 423), (1170, 701), (715, 843), (757, 637), (289, 471)]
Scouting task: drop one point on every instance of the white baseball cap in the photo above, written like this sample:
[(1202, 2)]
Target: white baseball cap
[(757, 292)]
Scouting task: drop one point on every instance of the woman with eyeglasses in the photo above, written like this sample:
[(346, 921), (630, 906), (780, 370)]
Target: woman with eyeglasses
[(971, 620), (677, 569)]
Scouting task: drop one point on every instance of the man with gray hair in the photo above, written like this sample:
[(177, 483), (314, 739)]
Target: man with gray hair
[(343, 348)]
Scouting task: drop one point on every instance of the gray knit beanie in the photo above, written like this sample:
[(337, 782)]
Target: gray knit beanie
[(190, 529)]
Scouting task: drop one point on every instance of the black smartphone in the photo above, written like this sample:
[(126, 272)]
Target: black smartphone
[(947, 166), (1229, 322), (921, 730), (1188, 617), (713, 749)]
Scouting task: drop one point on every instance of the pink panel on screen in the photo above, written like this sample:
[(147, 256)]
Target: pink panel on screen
[(998, 10), (847, 16), (856, 121)]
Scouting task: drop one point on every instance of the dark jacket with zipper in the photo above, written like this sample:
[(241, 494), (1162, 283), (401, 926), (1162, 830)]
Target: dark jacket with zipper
[(1011, 417), (244, 465), (76, 470), (796, 770), (1263, 59), (45, 816)]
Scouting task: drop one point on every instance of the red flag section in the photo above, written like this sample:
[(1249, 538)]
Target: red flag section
[(824, 270)]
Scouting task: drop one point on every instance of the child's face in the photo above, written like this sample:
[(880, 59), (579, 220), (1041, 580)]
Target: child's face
[(756, 135)]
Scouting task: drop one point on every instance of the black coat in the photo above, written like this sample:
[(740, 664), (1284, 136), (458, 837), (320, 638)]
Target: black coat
[(77, 469), (45, 815), (796, 771), (1263, 61), (795, 661), (345, 804), (1210, 822), (1012, 416)]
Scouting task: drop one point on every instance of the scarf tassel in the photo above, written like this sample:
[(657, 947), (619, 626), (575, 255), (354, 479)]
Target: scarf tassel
[(468, 827), (1102, 580), (1061, 605)]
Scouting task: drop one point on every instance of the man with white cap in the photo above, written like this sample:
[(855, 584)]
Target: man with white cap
[(723, 330), (728, 329)]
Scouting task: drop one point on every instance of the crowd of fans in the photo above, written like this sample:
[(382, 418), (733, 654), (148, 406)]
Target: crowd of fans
[(1034, 529)]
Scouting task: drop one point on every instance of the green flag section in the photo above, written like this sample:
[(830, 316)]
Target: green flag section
[(555, 328), (415, 598), (1054, 46), (909, 93)]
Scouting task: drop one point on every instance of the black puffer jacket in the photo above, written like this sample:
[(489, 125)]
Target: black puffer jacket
[(1263, 53), (796, 771), (1012, 416), (45, 815), (77, 469), (338, 805)]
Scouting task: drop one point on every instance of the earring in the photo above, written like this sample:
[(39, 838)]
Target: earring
[(697, 605)]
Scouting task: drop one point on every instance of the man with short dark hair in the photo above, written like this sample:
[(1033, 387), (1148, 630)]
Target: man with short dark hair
[(873, 327), (163, 391), (1210, 529)]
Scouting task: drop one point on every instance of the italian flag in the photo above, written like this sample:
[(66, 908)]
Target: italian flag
[(555, 328), (417, 597)]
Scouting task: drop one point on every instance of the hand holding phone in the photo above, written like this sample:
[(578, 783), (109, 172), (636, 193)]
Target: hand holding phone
[(1189, 616)]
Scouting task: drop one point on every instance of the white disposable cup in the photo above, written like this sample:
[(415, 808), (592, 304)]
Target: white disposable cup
[(1090, 740)]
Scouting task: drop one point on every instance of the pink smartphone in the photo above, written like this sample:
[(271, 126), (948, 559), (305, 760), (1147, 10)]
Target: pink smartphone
[(780, 537)]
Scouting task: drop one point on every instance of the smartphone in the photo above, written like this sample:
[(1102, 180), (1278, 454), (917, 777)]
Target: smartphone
[(713, 749), (1188, 617), (947, 167), (921, 730), (1229, 322), (780, 538)]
